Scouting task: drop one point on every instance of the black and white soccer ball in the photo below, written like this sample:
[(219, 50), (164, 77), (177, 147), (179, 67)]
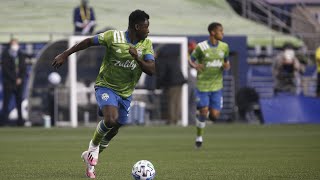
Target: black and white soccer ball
[(143, 170)]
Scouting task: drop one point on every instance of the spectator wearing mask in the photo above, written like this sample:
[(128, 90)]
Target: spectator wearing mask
[(13, 73)]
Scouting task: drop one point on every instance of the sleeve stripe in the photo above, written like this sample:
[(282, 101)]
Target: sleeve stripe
[(201, 46), (149, 57), (122, 37), (206, 45), (118, 37), (114, 36), (96, 40)]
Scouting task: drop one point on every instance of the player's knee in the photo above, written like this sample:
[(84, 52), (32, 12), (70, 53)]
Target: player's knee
[(214, 116), (110, 121), (204, 113)]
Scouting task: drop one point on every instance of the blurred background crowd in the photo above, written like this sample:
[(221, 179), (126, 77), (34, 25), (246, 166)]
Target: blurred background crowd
[(274, 55)]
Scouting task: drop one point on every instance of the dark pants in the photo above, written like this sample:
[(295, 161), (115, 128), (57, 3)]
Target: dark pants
[(174, 104), (318, 85), (7, 93)]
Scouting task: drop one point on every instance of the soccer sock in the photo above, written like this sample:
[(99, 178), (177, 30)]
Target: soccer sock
[(100, 132), (200, 123), (107, 138), (103, 145)]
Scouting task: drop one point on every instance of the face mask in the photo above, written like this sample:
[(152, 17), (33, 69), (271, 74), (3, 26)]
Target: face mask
[(14, 47)]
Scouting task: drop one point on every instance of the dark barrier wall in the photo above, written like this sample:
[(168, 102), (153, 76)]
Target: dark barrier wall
[(285, 108)]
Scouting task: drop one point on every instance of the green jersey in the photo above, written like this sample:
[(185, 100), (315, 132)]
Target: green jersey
[(212, 57), (119, 71)]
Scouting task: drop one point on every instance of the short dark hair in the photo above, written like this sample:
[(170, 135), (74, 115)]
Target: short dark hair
[(213, 26), (136, 17)]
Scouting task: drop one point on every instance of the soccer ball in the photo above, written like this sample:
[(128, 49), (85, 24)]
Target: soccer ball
[(54, 78), (143, 170)]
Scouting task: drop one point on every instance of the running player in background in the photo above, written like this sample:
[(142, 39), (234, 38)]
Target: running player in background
[(210, 59), (128, 54)]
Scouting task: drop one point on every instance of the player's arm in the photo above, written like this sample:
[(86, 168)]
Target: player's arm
[(196, 54), (84, 44), (226, 62), (147, 64), (226, 65)]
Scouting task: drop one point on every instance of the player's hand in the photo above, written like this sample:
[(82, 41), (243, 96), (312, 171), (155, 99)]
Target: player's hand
[(133, 52), (199, 67), (226, 66), (58, 61), (18, 81)]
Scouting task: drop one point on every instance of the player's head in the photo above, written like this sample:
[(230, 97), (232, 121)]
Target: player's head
[(216, 30), (139, 23)]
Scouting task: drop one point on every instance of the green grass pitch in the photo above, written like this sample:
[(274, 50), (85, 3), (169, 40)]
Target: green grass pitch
[(229, 152)]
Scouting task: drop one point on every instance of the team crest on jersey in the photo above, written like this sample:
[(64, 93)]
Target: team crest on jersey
[(105, 96), (139, 51), (221, 54)]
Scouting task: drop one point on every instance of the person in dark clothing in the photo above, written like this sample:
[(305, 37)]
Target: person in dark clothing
[(13, 73), (84, 19), (170, 79)]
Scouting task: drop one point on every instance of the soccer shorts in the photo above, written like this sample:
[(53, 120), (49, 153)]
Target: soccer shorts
[(212, 99), (107, 97)]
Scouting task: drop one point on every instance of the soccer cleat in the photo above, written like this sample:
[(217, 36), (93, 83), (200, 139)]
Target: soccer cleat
[(198, 144), (91, 156), (90, 172)]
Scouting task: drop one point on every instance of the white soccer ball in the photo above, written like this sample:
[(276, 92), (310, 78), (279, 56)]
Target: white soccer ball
[(54, 78), (143, 170)]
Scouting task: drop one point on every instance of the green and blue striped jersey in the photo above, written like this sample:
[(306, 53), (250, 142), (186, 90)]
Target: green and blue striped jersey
[(212, 56), (119, 71)]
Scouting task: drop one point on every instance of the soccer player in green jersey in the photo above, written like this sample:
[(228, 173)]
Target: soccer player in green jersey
[(128, 54), (210, 59)]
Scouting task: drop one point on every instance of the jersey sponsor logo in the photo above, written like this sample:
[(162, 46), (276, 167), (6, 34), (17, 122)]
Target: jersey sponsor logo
[(214, 63), (105, 96), (126, 64)]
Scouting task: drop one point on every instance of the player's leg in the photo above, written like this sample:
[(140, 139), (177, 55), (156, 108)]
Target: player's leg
[(215, 105), (202, 106), (124, 106), (108, 137), (7, 93), (91, 156), (107, 102)]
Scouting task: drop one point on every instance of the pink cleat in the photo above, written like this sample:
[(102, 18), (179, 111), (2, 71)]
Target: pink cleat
[(91, 157), (90, 172)]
